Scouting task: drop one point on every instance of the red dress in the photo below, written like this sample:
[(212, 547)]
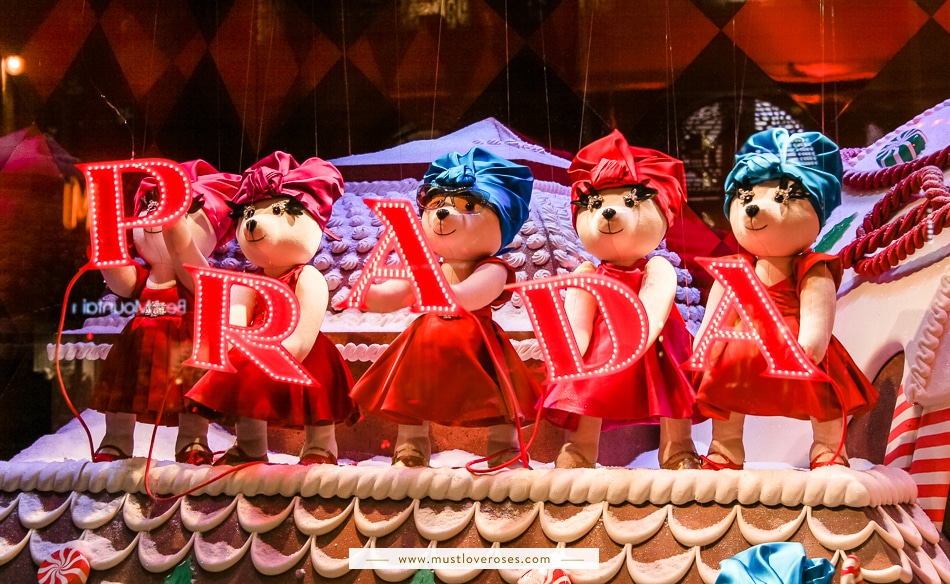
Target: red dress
[(144, 366), (251, 393), (454, 371), (653, 387), (735, 384)]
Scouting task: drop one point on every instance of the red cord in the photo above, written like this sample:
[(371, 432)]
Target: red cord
[(148, 462), (508, 391), (59, 372), (85, 427)]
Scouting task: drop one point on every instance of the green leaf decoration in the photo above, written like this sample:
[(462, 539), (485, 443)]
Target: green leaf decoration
[(834, 234), (182, 574), (424, 577)]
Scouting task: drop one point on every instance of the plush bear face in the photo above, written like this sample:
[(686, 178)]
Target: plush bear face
[(620, 228), (150, 244), (461, 228), (773, 222), (278, 234)]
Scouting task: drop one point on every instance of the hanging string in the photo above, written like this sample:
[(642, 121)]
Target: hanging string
[(590, 36), (396, 65), (217, 92), (821, 44), (834, 59), (438, 53), (738, 87), (263, 101), (346, 80), (544, 72), (507, 68), (671, 81), (247, 82), (92, 81), (313, 78), (151, 63)]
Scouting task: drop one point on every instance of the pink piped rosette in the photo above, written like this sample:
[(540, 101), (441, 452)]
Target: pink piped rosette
[(66, 565)]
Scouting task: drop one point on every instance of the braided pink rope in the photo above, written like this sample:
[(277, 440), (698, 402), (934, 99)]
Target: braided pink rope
[(904, 236)]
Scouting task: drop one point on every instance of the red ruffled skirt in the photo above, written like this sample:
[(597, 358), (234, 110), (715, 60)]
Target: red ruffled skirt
[(450, 371), (735, 384), (144, 367), (251, 393), (652, 388)]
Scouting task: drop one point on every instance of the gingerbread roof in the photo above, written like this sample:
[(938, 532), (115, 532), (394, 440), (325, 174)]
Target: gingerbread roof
[(296, 524)]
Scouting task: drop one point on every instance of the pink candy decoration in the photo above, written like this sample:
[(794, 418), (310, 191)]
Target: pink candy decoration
[(66, 565)]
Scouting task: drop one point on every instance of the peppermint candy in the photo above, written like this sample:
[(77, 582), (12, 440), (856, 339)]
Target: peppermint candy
[(555, 576), (66, 565)]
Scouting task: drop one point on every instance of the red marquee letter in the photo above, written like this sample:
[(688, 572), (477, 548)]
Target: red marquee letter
[(261, 343), (417, 263), (107, 219), (622, 311), (760, 323)]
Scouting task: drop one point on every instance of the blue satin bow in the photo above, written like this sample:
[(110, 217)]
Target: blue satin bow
[(808, 157), (504, 184), (775, 563)]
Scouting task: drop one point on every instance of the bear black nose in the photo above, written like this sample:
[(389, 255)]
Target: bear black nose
[(442, 214), (751, 210), (251, 225), (608, 213)]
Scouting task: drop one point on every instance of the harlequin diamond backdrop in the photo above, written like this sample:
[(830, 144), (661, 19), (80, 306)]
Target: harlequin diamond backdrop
[(228, 80)]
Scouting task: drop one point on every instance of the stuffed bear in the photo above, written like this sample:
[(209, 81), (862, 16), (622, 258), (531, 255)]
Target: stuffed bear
[(282, 208), (624, 200), (778, 195), (143, 374), (457, 370)]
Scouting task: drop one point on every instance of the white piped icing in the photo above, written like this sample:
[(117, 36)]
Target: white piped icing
[(79, 351), (361, 353), (925, 353), (830, 486)]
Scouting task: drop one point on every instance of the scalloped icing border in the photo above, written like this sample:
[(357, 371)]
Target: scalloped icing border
[(828, 486)]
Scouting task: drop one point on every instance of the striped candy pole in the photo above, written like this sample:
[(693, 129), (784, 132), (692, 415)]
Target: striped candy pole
[(903, 434), (919, 443)]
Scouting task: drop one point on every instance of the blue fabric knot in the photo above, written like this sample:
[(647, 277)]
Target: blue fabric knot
[(808, 157), (457, 176), (775, 563), (504, 184)]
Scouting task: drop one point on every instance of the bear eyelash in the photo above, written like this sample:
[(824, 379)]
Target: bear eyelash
[(744, 196), (789, 190), (638, 193), (290, 206), (594, 202)]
